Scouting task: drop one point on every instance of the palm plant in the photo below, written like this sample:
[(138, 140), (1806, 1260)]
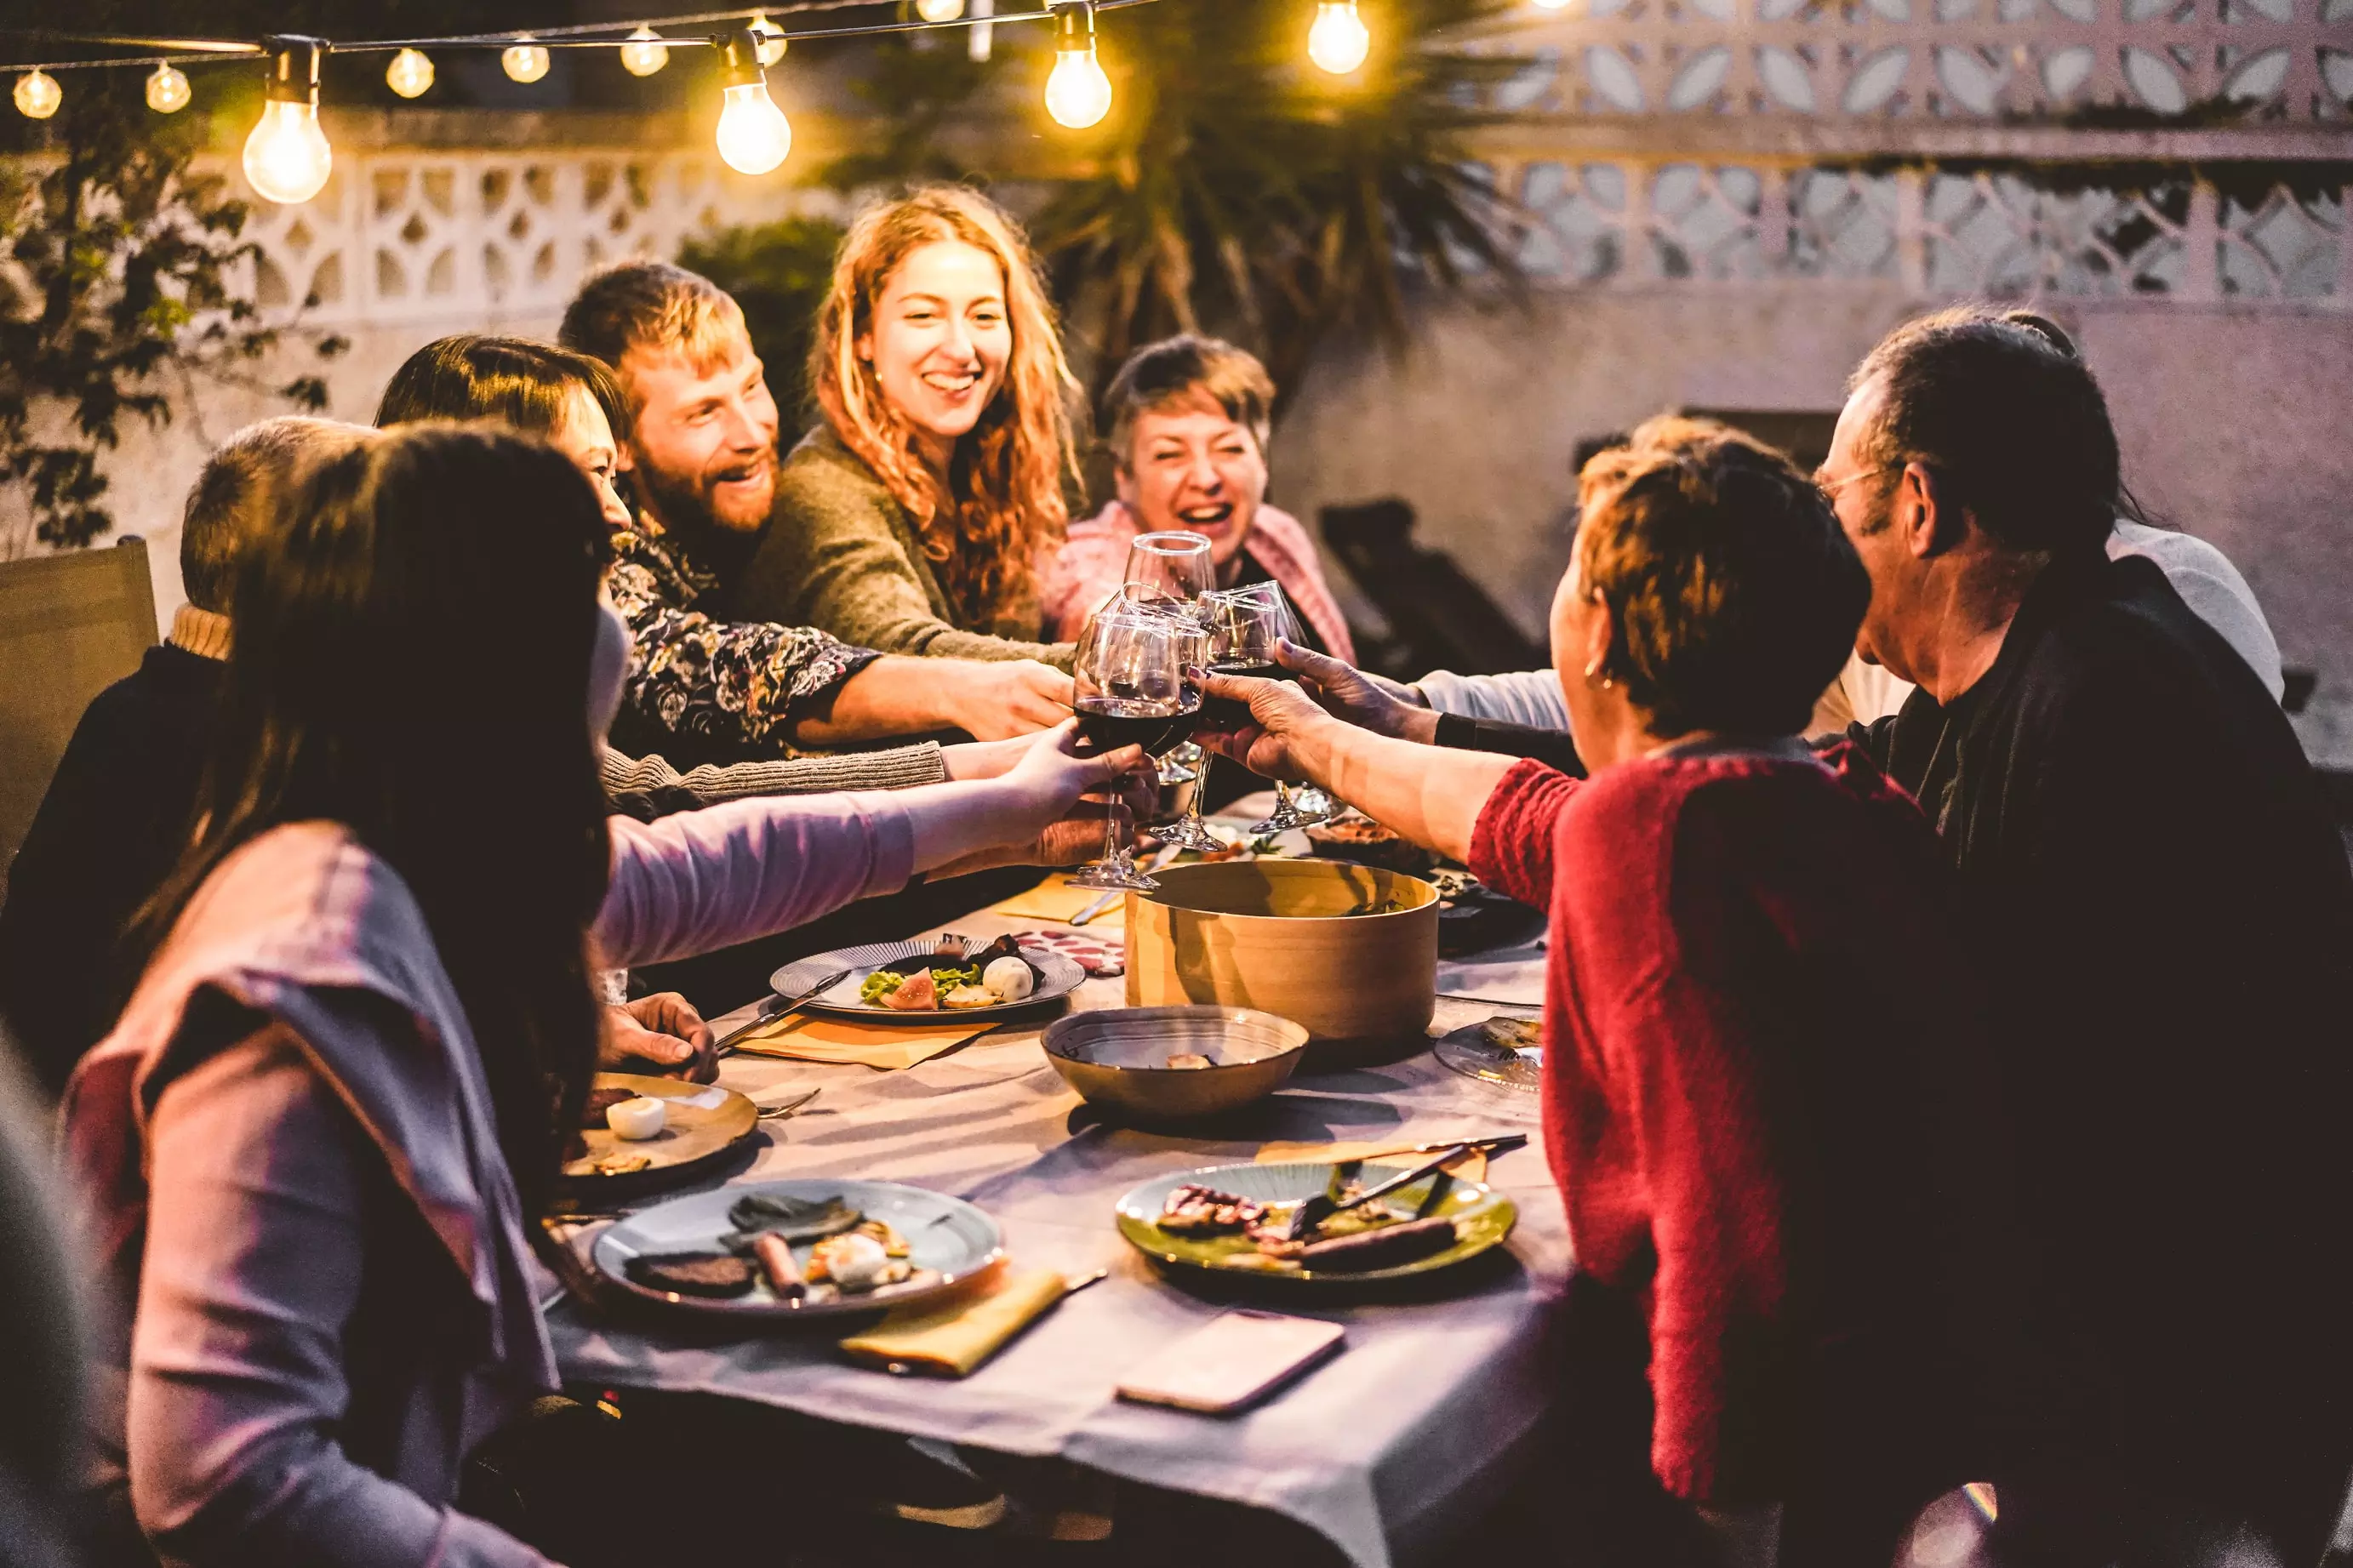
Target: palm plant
[(1238, 191)]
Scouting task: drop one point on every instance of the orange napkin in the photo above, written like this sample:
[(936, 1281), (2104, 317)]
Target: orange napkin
[(952, 1341), (1471, 1167), (886, 1046), (1055, 900)]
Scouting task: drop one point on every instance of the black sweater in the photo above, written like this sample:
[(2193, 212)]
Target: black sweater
[(2158, 881), (108, 831)]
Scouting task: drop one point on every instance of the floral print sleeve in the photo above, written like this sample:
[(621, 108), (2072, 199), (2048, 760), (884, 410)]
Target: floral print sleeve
[(742, 682)]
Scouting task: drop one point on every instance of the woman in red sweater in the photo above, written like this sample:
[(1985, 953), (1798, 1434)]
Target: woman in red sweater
[(1767, 1095)]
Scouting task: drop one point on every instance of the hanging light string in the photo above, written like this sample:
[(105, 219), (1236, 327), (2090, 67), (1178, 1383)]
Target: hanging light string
[(288, 160), (583, 36)]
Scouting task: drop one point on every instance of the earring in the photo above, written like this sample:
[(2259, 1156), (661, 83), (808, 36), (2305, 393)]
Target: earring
[(1594, 664)]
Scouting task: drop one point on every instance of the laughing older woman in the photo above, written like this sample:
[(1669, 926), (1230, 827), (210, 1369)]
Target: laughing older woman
[(1789, 1218)]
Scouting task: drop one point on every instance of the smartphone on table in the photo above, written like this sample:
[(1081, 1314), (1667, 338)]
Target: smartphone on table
[(1232, 1361)]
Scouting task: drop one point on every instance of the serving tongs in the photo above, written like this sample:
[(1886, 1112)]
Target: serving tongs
[(1324, 1206)]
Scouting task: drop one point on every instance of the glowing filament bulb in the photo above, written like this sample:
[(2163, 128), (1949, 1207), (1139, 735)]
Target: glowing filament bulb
[(754, 135), (1550, 4), (410, 74), (168, 90), (772, 40), (939, 10), (38, 95), (525, 62), (645, 52), (286, 157), (1339, 41), (1078, 94)]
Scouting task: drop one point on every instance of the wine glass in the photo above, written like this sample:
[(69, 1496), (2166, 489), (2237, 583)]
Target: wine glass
[(1188, 831), (1172, 565), (1246, 624), (1129, 669)]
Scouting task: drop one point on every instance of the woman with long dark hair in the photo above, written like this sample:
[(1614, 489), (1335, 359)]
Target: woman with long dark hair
[(336, 1099)]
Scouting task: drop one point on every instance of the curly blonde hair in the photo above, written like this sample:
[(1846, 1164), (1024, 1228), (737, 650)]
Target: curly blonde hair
[(1004, 503)]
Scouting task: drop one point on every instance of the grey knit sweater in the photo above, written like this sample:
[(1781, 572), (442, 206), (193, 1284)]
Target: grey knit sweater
[(841, 554), (898, 768)]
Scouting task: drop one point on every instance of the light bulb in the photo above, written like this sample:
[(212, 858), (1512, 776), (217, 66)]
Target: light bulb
[(645, 52), (525, 62), (1339, 41), (410, 74), (1551, 5), (1078, 94), (168, 90), (754, 134), (38, 95), (772, 40), (286, 157), (939, 10)]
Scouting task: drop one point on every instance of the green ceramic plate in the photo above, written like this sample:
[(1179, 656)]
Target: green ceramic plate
[(1483, 1218)]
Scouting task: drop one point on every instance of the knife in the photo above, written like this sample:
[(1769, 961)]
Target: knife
[(774, 1008), (1319, 1208)]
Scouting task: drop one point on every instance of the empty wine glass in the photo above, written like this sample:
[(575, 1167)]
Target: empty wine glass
[(1171, 565), (1129, 669), (1246, 625)]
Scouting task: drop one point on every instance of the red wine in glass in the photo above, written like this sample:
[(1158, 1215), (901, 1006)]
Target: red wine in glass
[(1107, 723), (1222, 713)]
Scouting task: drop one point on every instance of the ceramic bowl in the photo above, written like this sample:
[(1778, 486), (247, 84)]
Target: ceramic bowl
[(1118, 1058)]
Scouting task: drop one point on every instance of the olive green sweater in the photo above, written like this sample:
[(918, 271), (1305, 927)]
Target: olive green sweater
[(841, 554)]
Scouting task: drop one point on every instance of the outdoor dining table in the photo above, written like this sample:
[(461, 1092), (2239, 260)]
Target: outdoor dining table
[(1389, 1447)]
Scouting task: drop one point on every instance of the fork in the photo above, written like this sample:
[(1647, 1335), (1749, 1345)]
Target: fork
[(774, 1112)]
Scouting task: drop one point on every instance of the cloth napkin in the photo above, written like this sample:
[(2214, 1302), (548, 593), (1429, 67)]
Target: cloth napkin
[(1471, 1167), (886, 1046), (952, 1341), (1055, 900)]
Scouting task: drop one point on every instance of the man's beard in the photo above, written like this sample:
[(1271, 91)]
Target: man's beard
[(682, 509)]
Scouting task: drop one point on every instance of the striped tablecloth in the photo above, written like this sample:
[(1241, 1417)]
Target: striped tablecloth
[(1385, 1444)]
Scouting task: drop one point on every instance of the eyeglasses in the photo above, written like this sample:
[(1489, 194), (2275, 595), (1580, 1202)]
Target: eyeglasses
[(1830, 490)]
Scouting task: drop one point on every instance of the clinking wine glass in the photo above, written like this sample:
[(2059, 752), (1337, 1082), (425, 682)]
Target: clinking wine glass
[(1129, 670), (1172, 565), (1245, 627)]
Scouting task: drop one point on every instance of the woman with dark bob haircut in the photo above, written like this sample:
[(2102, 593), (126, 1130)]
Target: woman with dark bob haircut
[(1781, 1222), (336, 1103)]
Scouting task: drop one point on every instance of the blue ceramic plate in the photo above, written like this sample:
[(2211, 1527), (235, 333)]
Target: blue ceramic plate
[(948, 1242), (1063, 976)]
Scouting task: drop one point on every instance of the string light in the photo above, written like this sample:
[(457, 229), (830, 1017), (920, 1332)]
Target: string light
[(940, 11), (754, 134), (771, 38), (1339, 41), (980, 40), (645, 52), (38, 94), (1551, 5), (286, 157), (168, 90), (1078, 94), (410, 74), (526, 62)]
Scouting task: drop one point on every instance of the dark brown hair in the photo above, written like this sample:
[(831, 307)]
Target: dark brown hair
[(1184, 369), (2003, 412), (404, 574), (1733, 593), (524, 385)]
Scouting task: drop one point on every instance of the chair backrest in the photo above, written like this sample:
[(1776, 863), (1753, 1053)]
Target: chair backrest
[(1437, 617), (70, 625)]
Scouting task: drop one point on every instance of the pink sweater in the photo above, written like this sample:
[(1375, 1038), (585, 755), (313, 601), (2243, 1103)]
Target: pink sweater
[(249, 1168), (1093, 559)]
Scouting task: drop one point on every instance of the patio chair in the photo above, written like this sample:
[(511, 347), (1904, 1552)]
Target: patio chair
[(1438, 617), (70, 625)]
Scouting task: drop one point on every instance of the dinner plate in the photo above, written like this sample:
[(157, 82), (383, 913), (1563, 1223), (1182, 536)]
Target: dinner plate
[(1483, 1218), (1060, 977), (702, 1123), (948, 1242)]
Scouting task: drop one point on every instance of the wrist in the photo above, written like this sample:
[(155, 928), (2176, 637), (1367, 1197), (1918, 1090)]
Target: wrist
[(1419, 725)]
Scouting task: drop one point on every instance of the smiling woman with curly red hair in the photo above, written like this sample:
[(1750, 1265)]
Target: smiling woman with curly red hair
[(912, 518)]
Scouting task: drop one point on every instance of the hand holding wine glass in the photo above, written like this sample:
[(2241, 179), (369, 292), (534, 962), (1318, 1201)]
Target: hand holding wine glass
[(1248, 626), (1129, 668)]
